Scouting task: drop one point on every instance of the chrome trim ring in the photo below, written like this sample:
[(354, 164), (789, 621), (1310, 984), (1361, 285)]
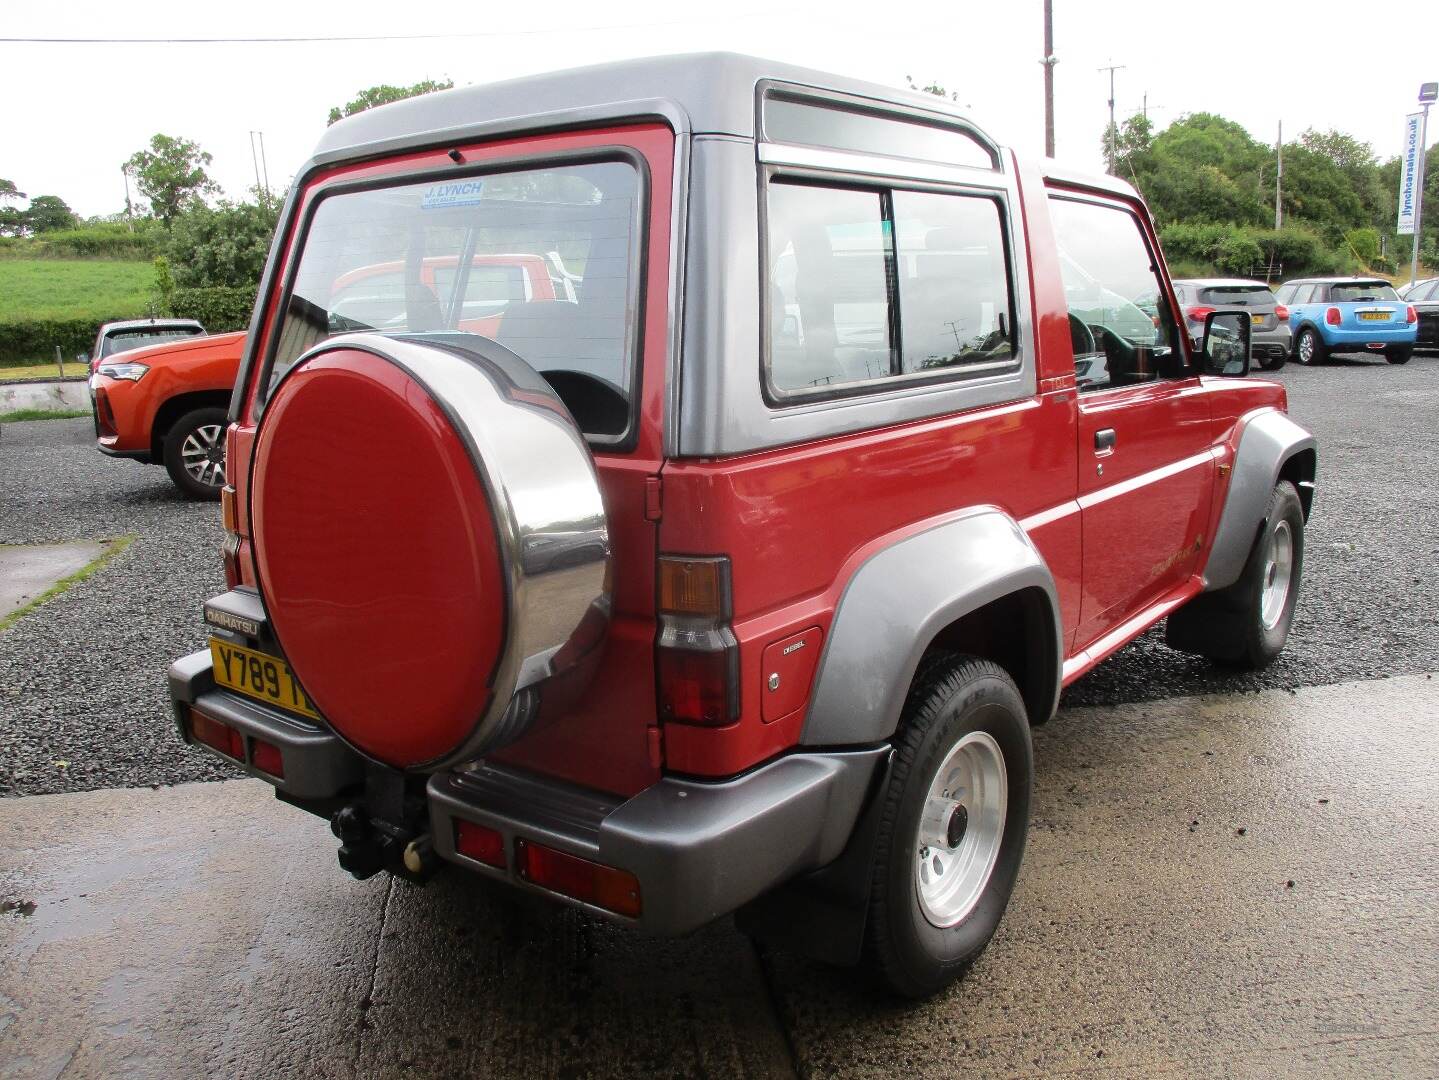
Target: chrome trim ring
[(961, 829), (203, 456), (1278, 573)]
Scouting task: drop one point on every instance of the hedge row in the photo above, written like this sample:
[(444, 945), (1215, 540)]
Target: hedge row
[(33, 341), (219, 308), (106, 240)]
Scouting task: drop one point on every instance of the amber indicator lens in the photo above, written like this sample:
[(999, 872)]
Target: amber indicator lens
[(216, 735), (591, 882), (692, 586), (227, 508), (480, 843)]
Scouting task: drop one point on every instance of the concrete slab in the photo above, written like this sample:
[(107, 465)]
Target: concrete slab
[(53, 394), (206, 930), (27, 570)]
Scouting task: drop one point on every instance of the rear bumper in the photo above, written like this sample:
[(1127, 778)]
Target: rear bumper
[(699, 849), (1377, 338)]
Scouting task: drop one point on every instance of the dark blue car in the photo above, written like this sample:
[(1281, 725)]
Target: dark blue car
[(1351, 314)]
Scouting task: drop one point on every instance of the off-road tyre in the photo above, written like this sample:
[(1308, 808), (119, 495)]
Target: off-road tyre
[(1230, 625), (189, 451), (1399, 355), (1272, 363), (952, 697)]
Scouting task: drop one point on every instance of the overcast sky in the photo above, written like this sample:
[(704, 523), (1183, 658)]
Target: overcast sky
[(73, 113)]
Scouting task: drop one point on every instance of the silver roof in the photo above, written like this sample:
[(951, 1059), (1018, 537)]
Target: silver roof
[(1220, 282), (143, 324), (714, 90)]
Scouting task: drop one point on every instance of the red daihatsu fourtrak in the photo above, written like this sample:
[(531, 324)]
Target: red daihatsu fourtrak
[(726, 572)]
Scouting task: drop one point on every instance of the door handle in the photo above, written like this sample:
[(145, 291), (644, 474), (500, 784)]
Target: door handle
[(1104, 440)]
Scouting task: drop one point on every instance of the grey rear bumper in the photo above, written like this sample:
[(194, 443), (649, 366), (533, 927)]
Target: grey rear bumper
[(700, 849)]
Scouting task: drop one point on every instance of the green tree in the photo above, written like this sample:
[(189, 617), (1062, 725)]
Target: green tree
[(171, 174), (8, 190), (384, 94), (48, 213), (222, 245), (932, 88)]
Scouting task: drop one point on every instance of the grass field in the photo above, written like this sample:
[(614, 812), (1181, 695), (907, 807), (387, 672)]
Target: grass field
[(68, 288), (32, 372)]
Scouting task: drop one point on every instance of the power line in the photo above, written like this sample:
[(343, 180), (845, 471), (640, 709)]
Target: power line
[(349, 37)]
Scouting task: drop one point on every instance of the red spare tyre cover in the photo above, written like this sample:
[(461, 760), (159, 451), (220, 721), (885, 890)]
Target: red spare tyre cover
[(387, 574)]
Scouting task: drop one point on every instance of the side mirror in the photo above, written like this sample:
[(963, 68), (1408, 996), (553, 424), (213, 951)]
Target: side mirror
[(82, 358), (1226, 344)]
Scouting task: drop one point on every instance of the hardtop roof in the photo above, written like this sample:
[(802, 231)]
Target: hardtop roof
[(145, 324), (1222, 283)]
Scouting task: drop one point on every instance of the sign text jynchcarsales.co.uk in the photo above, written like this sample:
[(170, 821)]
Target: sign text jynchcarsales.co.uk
[(1408, 169)]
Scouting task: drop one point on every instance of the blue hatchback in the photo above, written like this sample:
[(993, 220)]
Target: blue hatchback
[(1348, 315)]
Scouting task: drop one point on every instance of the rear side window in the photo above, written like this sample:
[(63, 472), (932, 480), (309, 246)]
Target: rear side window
[(872, 285), (1236, 296), (126, 340), (1285, 294)]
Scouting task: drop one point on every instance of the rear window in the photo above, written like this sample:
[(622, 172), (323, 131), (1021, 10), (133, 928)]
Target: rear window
[(477, 255), (835, 127), (125, 340), (1358, 292), (1236, 296)]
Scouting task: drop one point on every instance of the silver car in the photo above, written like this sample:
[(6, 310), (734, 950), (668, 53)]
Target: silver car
[(1271, 337)]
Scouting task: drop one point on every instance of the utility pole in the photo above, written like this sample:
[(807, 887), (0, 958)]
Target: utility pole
[(255, 161), (1278, 177), (1427, 93), (1111, 148), (1049, 61), (260, 165), (265, 166), (129, 211)]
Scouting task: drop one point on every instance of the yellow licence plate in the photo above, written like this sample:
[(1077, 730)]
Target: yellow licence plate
[(1257, 319), (1374, 316), (260, 676)]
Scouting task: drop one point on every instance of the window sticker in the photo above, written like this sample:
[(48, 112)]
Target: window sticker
[(456, 193)]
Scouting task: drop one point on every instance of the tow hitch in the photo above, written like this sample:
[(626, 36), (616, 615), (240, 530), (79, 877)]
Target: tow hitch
[(388, 829)]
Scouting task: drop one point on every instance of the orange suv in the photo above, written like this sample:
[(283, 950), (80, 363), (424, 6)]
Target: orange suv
[(167, 404)]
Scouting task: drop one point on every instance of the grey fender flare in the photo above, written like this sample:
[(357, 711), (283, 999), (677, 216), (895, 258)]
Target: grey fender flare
[(900, 598), (1268, 441)]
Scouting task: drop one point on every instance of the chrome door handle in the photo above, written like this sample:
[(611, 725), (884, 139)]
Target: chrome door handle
[(1104, 440)]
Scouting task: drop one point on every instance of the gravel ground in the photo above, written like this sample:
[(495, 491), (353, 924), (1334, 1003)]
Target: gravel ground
[(82, 689)]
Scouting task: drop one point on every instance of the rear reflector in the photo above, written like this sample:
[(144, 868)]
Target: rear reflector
[(217, 736), (267, 758), (480, 843), (569, 875)]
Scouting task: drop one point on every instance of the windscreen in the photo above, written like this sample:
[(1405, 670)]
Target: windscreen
[(1358, 292), (125, 340), (541, 261), (1236, 296)]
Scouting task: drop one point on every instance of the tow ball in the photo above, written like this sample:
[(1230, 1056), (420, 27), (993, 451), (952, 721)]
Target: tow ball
[(369, 845)]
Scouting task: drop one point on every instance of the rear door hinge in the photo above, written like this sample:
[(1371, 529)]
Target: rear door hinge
[(652, 498)]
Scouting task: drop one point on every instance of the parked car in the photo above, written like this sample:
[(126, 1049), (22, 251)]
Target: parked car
[(735, 583), (167, 405), (1406, 291), (1424, 299), (1348, 315), (1271, 337)]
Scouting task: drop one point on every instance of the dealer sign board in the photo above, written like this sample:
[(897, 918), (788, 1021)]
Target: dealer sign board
[(1409, 174)]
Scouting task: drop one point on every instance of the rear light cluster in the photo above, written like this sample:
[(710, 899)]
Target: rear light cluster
[(220, 736), (234, 548), (1410, 315), (697, 656), (1332, 316), (1199, 314), (1281, 313), (556, 871)]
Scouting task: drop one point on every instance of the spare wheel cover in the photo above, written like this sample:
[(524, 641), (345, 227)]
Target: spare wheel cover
[(400, 492)]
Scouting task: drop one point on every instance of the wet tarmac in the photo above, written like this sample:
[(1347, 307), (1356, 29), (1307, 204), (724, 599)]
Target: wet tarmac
[(1245, 885)]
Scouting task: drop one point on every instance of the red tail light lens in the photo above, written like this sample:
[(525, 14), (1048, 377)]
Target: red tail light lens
[(569, 875), (267, 758), (480, 843), (217, 735), (1411, 315), (1332, 317), (696, 687), (1281, 313), (1199, 314)]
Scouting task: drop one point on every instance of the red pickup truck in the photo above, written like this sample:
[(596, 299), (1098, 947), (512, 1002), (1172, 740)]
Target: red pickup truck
[(732, 578)]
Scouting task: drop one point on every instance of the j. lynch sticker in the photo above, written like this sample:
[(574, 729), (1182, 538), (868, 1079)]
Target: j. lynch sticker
[(458, 193)]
